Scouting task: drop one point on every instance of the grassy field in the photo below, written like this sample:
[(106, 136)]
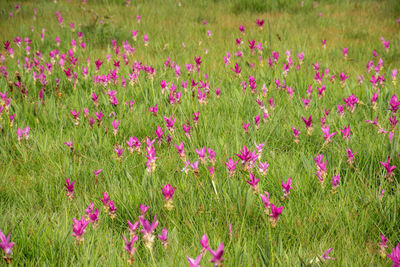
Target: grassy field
[(44, 84)]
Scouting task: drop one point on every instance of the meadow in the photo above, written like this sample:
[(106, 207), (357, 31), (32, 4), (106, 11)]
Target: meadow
[(166, 132)]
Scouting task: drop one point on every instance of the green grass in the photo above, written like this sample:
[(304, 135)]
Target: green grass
[(39, 216)]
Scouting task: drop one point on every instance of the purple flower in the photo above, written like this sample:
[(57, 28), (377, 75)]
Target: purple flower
[(6, 246), (79, 229), (217, 255), (231, 166), (148, 230), (275, 213), (395, 256), (286, 187), (253, 182), (168, 192), (69, 186), (389, 169), (195, 262), (129, 247), (163, 237)]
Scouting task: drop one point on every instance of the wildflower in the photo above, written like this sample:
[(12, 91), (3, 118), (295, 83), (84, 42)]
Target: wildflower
[(389, 169), (6, 246), (275, 213), (130, 248), (265, 200), (133, 142), (119, 150), (217, 255), (163, 237), (159, 133), (350, 157), (263, 168), (115, 125), (335, 182), (168, 192), (308, 124), (69, 186), (79, 229), (204, 243), (395, 256), (154, 110), (148, 230), (286, 187), (181, 151), (253, 182), (327, 135), (186, 129), (383, 245), (211, 156), (231, 166), (112, 209), (143, 209), (93, 216), (296, 134), (105, 200), (202, 154), (195, 262)]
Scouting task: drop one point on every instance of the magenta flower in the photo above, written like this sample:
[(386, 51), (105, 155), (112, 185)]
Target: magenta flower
[(78, 229), (395, 256), (75, 116), (253, 182), (346, 132), (286, 187), (327, 135), (383, 245), (231, 166), (133, 227), (265, 200), (148, 230), (133, 142), (130, 248), (260, 23), (350, 156), (202, 154), (335, 182), (195, 262), (159, 134), (389, 169), (345, 52), (112, 209), (246, 127), (143, 209), (204, 243), (97, 172), (93, 215), (170, 123), (325, 256), (181, 151), (394, 104), (168, 192), (217, 255), (351, 102), (296, 134), (163, 237), (263, 168), (236, 69), (186, 129), (308, 124), (115, 125), (119, 150), (275, 213), (105, 200), (154, 110), (6, 246), (70, 145), (69, 186), (211, 156)]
